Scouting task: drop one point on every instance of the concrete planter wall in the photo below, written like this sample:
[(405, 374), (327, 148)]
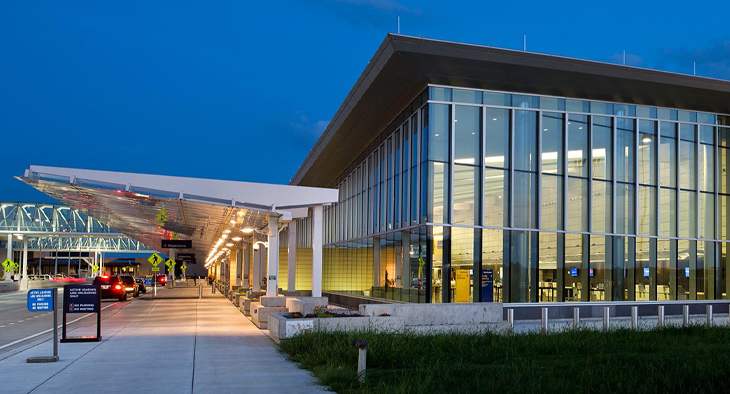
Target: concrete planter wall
[(281, 326)]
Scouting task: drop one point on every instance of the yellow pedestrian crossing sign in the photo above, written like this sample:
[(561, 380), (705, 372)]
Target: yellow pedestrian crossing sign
[(9, 264), (183, 267), (95, 267), (155, 259), (170, 263)]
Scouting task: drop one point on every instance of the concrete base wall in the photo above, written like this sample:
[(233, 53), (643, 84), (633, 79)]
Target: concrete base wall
[(616, 309), (438, 314), (7, 286), (260, 315), (303, 307)]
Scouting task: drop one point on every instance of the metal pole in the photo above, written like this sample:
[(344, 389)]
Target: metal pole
[(685, 315), (55, 323), (576, 317), (660, 316), (544, 320), (606, 318), (200, 290), (634, 317), (362, 346), (511, 318), (709, 315)]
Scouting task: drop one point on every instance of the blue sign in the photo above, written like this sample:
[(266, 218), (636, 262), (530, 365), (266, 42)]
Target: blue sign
[(487, 285), (574, 272), (148, 281), (686, 272), (646, 272), (40, 300), (81, 299)]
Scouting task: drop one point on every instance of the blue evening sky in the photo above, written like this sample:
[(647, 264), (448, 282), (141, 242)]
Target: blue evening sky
[(241, 90)]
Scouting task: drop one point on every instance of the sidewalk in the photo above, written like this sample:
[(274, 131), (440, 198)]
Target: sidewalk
[(175, 343)]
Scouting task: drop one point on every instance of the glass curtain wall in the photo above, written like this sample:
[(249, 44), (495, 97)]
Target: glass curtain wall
[(475, 196)]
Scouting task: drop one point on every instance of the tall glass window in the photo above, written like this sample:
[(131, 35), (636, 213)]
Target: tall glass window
[(552, 143), (497, 139), (602, 147), (551, 205), (496, 197), (439, 121), (525, 144), (578, 145)]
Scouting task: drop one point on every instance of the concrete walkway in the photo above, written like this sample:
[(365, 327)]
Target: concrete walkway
[(175, 343)]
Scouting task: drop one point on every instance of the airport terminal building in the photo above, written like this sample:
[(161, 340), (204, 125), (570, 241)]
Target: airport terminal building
[(463, 173), (469, 173)]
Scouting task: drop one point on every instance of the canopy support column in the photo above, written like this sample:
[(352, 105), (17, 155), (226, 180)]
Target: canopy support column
[(317, 251), (239, 265), (272, 282), (292, 257), (24, 279)]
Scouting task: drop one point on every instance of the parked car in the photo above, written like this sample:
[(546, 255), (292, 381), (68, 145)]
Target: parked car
[(130, 285), (141, 285), (111, 287)]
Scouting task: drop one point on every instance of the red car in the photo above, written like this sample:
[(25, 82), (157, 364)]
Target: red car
[(160, 280), (111, 287)]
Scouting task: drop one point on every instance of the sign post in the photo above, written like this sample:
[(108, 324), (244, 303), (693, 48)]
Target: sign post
[(155, 259), (171, 266), (82, 299), (42, 300)]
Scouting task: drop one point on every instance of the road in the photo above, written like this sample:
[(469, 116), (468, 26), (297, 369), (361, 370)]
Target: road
[(21, 329)]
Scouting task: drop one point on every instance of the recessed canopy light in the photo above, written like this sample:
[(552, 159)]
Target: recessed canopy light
[(224, 236), (236, 239), (226, 231), (230, 244), (247, 230)]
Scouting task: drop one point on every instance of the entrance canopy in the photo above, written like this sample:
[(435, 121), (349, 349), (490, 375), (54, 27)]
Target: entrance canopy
[(152, 208)]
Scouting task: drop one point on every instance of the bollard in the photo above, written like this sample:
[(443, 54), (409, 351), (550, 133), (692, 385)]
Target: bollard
[(544, 320), (606, 318), (200, 291), (709, 315), (511, 318), (685, 315), (362, 345), (212, 288), (634, 317), (576, 317), (660, 316)]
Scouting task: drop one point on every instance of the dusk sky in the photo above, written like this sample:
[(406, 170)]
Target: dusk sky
[(241, 90)]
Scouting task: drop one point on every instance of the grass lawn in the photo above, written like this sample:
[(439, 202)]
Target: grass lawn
[(670, 360)]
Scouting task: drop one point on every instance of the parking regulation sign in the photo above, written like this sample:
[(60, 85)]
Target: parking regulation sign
[(40, 300)]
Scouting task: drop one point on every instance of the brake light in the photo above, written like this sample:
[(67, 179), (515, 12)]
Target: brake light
[(105, 276), (118, 287), (163, 279)]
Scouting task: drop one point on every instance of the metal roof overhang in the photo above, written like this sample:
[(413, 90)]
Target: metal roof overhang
[(403, 66), (151, 208)]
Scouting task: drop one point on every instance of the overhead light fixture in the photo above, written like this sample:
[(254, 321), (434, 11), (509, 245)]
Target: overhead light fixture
[(226, 231), (247, 230), (233, 222), (240, 213), (646, 139), (224, 236), (230, 244), (236, 239), (224, 249)]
